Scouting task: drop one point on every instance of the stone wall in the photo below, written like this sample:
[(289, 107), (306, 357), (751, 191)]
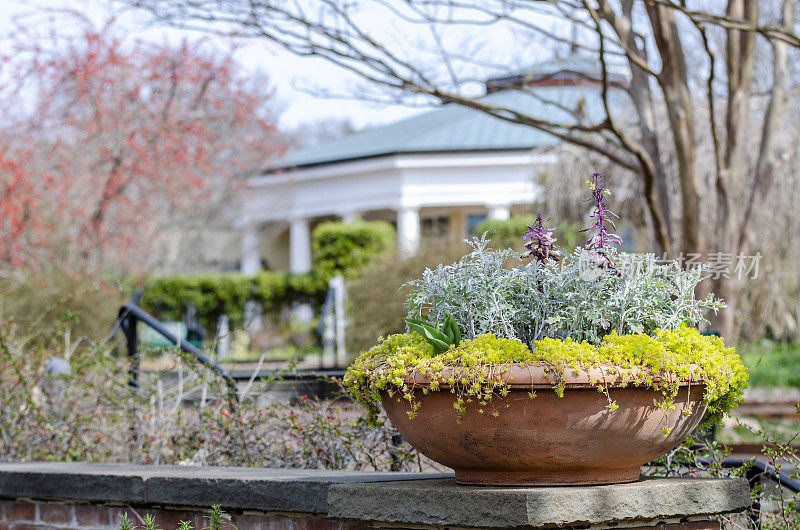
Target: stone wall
[(93, 496)]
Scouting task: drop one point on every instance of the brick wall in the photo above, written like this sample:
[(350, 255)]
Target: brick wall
[(40, 515)]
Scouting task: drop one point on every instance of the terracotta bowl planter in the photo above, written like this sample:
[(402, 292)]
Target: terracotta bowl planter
[(547, 440)]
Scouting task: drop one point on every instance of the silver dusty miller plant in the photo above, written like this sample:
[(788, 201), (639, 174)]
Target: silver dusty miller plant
[(587, 299), (581, 296), (482, 295)]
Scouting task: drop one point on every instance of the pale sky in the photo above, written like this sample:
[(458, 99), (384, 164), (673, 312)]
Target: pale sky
[(291, 76), (294, 77)]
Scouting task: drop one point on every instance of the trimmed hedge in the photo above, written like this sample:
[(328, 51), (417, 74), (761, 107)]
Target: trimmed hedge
[(346, 248), (217, 294), (338, 248)]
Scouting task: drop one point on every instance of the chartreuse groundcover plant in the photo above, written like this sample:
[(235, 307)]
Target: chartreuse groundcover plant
[(593, 307)]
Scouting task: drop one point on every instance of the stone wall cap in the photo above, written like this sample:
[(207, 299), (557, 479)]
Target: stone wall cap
[(418, 499), (444, 503), (264, 489)]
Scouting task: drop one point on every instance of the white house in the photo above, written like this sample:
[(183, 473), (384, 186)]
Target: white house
[(443, 171)]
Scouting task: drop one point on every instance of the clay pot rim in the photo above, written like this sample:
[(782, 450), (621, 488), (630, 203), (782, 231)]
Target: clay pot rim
[(536, 376)]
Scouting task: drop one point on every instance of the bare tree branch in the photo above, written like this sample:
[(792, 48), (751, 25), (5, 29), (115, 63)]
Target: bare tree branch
[(729, 22), (647, 170)]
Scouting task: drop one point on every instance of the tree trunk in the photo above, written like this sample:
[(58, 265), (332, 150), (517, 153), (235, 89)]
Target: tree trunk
[(725, 322), (740, 57), (674, 83)]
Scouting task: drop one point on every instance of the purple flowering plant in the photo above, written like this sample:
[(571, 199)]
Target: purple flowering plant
[(540, 241), (602, 239)]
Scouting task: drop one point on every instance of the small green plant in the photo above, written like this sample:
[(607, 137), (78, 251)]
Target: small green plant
[(150, 522), (124, 523), (216, 518), (441, 340)]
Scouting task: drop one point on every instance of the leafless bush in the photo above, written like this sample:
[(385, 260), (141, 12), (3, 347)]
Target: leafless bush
[(92, 415)]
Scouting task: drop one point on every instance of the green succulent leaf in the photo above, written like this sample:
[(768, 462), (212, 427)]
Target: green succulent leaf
[(447, 332), (436, 338), (417, 325), (452, 331), (414, 321)]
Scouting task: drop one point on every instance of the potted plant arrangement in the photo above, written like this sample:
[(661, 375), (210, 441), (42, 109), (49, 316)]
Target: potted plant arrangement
[(567, 368)]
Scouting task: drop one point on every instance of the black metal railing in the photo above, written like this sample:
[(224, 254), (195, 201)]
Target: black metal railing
[(303, 375), (128, 316), (759, 469)]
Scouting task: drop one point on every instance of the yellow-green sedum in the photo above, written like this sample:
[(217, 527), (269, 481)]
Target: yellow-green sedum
[(660, 362)]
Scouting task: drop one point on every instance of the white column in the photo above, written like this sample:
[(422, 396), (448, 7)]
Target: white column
[(251, 257), (300, 261), (350, 217), (408, 231), (499, 212), (299, 246)]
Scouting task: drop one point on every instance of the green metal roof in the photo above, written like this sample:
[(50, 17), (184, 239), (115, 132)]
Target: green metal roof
[(456, 128), (565, 68)]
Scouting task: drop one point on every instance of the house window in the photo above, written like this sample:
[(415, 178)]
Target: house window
[(473, 222), (435, 226)]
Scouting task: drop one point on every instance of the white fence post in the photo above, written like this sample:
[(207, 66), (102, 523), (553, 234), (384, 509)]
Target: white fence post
[(334, 323), (339, 294)]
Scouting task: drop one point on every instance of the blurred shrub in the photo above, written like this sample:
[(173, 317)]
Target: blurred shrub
[(508, 233), (376, 303), (42, 303), (345, 248), (772, 364), (216, 294)]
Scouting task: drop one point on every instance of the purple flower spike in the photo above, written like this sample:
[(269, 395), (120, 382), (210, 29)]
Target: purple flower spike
[(602, 240), (539, 241)]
